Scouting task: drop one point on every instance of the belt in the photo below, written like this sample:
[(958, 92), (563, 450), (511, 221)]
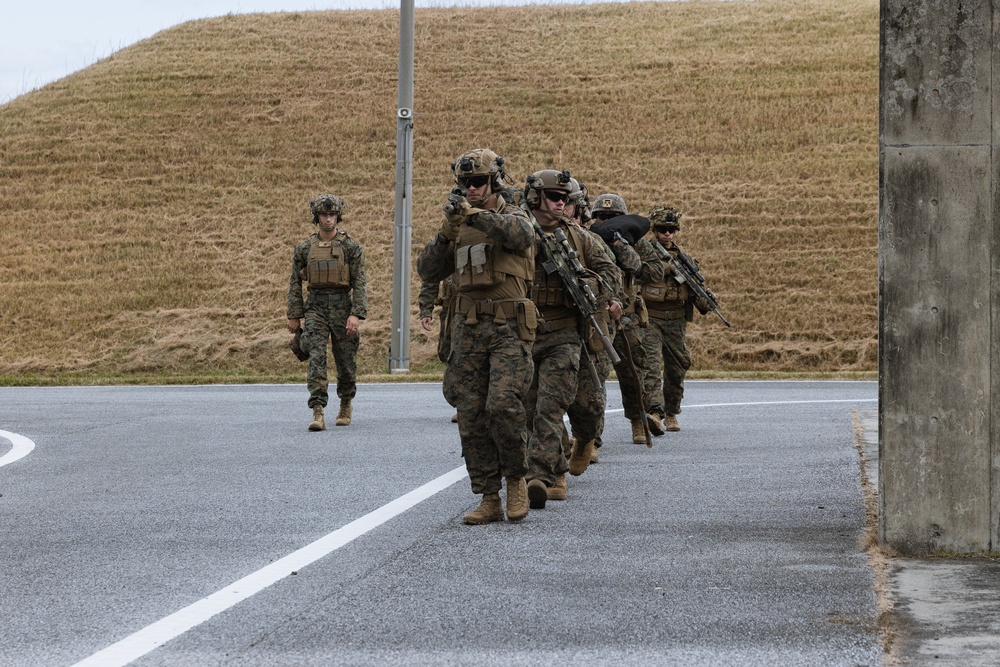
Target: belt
[(548, 326), (665, 314), (501, 309), (330, 297)]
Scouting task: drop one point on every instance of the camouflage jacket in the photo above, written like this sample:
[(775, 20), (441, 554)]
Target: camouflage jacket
[(596, 257), (359, 283), (651, 269), (506, 224)]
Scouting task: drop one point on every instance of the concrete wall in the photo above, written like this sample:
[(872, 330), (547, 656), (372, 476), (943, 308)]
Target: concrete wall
[(938, 383)]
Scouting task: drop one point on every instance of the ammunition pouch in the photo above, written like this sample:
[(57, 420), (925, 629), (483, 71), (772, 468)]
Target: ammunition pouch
[(327, 265), (594, 343), (523, 311), (641, 312)]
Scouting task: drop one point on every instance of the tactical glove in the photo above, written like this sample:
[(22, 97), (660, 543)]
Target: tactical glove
[(458, 209), (449, 229)]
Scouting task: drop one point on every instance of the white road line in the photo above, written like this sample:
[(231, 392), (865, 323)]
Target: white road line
[(832, 400), (159, 633), (733, 405), (21, 447)]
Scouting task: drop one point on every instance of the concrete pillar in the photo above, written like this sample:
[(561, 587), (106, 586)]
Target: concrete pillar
[(938, 383)]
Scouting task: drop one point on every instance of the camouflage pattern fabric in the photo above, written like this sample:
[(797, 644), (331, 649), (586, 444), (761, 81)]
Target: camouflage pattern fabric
[(486, 379), (632, 400), (664, 340), (553, 388), (326, 312), (648, 365), (430, 295), (326, 320), (488, 368), (426, 298), (359, 281), (586, 412)]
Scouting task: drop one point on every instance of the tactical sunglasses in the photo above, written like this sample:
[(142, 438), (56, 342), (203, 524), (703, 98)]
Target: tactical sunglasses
[(665, 229), (474, 181), (555, 195)]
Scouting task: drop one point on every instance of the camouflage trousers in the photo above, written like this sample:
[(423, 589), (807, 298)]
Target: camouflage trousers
[(486, 380), (632, 400), (553, 389), (326, 320), (586, 412), (664, 341)]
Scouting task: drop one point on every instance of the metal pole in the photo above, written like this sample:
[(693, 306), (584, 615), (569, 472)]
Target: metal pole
[(399, 347)]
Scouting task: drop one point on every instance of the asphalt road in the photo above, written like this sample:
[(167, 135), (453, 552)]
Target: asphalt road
[(206, 526)]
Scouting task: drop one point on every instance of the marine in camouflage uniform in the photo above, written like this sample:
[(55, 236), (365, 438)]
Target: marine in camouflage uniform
[(671, 306), (488, 245), (333, 266), (559, 345), (640, 264), (431, 295), (436, 294), (586, 413)]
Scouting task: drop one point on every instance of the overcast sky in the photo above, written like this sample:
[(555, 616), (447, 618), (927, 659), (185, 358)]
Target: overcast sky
[(44, 40)]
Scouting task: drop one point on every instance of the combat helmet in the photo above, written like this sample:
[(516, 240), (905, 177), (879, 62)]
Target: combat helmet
[(480, 162), (326, 204), (581, 199), (609, 205), (665, 215), (546, 179)]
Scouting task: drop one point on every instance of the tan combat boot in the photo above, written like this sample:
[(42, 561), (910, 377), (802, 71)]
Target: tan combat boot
[(580, 459), (558, 490), (489, 510), (344, 415), (655, 425), (318, 423), (638, 432), (593, 457), (517, 498), (454, 418), (670, 423)]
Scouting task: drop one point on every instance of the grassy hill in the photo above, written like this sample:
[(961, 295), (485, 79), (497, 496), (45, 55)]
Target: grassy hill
[(150, 202)]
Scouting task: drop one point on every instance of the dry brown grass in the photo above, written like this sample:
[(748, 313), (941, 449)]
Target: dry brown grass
[(879, 557), (150, 202)]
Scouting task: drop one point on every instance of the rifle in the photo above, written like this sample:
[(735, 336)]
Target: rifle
[(559, 257), (685, 271), (455, 198), (638, 383)]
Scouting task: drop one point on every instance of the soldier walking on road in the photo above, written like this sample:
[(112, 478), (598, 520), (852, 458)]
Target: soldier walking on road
[(640, 264), (586, 412), (560, 343), (671, 306), (333, 265), (488, 245)]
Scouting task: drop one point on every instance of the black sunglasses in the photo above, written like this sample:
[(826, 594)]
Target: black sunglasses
[(555, 195), (665, 229), (474, 181)]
